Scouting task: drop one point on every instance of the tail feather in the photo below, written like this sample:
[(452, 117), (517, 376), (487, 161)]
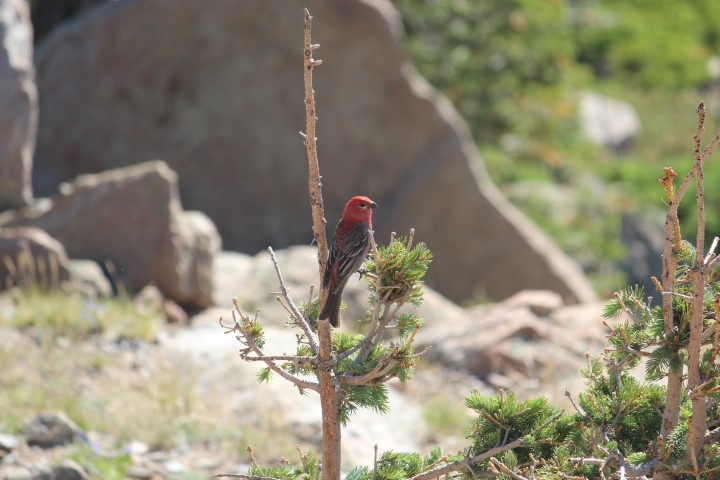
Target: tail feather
[(331, 309)]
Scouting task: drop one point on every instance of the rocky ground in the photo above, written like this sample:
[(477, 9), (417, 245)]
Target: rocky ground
[(530, 343)]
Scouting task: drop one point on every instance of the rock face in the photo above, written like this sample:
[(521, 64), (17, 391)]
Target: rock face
[(18, 104), (216, 89), (643, 240), (529, 340), (31, 257), (133, 218)]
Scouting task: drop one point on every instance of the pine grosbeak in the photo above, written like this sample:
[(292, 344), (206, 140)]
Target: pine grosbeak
[(347, 253)]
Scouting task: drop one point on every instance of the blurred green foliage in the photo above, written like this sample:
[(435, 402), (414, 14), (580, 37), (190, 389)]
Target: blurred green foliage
[(514, 69), (505, 64), (658, 43)]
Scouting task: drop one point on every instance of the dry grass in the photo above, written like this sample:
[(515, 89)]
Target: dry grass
[(96, 361)]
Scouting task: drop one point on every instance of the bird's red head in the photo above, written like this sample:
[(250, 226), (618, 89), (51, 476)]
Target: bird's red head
[(359, 209)]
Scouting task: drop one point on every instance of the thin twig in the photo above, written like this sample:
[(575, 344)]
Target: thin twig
[(711, 251), (310, 140), (711, 146), (575, 405), (250, 341), (282, 358), (294, 310), (504, 469), (246, 477), (375, 463)]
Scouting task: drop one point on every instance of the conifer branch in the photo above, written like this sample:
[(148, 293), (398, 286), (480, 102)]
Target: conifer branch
[(467, 462), (248, 339)]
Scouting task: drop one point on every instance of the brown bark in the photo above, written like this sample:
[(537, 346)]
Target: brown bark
[(330, 405), (329, 385)]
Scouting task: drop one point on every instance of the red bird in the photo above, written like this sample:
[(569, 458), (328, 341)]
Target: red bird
[(347, 253)]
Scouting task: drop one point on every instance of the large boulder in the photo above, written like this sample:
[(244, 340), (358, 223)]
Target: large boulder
[(132, 218), (216, 89), (18, 104), (528, 342)]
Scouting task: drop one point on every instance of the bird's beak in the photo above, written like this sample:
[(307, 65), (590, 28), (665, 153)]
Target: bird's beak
[(373, 204)]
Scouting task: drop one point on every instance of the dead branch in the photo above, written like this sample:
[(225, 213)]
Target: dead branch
[(299, 318), (504, 469), (245, 477), (698, 420), (249, 340), (329, 385), (314, 178)]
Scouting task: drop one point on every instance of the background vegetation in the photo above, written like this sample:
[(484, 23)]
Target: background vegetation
[(514, 69)]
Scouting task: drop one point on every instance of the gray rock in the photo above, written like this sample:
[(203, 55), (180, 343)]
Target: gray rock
[(540, 302), (18, 103), (140, 472), (132, 218), (608, 122), (525, 342), (643, 242), (16, 472), (69, 470), (88, 278), (8, 443), (31, 257), (215, 88), (50, 429)]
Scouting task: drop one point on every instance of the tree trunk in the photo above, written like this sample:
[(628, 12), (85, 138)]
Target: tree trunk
[(330, 404)]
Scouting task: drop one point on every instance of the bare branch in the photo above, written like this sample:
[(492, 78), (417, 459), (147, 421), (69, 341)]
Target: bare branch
[(250, 341), (282, 358), (671, 231), (575, 405), (291, 305), (711, 251), (697, 422), (314, 178), (709, 149), (716, 330), (246, 477), (504, 469)]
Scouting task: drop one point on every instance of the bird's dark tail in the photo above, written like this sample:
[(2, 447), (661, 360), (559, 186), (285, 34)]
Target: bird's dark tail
[(331, 309)]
